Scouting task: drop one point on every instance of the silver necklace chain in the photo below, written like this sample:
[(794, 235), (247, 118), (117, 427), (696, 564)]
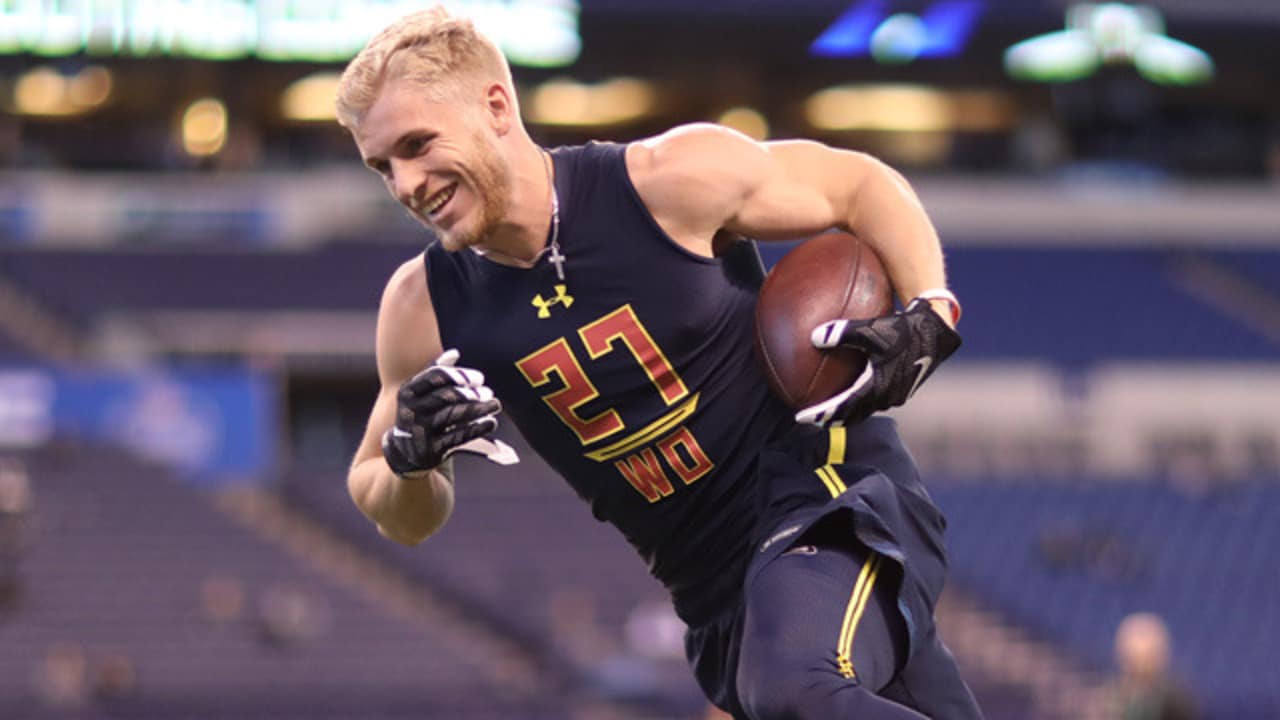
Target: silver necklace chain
[(552, 250), (556, 257)]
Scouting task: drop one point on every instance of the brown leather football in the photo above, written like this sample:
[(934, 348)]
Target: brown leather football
[(827, 277)]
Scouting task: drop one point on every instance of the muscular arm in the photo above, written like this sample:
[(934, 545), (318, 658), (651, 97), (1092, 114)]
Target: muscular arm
[(407, 511), (698, 179)]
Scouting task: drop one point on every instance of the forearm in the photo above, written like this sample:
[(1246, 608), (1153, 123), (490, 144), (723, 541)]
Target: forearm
[(405, 510), (888, 216)]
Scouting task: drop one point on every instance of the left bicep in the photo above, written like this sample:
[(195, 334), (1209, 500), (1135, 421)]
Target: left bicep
[(801, 188)]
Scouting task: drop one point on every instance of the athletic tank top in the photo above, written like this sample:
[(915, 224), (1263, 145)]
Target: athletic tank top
[(634, 378)]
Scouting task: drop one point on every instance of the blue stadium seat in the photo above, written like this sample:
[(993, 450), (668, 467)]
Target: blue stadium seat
[(118, 555), (1068, 560)]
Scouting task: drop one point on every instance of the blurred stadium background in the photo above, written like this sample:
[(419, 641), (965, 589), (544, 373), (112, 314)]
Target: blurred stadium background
[(191, 259)]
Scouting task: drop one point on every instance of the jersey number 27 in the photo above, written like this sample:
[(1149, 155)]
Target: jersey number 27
[(636, 455)]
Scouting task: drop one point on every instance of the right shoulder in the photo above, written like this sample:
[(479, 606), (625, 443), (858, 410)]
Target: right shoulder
[(408, 333)]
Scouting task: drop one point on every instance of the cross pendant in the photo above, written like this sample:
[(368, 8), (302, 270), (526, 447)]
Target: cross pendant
[(557, 259)]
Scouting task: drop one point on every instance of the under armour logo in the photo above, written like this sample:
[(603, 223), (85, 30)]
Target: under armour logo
[(544, 306)]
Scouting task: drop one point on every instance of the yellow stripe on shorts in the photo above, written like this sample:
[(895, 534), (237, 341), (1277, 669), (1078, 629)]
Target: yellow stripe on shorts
[(853, 613), (835, 445), (831, 479)]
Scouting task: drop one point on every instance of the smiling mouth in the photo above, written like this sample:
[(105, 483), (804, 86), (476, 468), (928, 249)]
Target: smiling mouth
[(434, 204)]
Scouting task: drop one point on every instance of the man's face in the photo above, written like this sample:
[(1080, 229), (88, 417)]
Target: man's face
[(441, 160)]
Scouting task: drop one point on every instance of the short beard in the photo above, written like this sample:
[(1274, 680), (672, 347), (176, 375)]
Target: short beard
[(491, 182)]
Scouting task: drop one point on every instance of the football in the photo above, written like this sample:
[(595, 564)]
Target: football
[(827, 277)]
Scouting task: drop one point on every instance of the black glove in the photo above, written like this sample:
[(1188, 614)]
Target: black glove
[(902, 350), (437, 411)]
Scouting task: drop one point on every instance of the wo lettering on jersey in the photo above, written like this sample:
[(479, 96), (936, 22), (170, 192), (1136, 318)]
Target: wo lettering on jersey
[(682, 454), (648, 457)]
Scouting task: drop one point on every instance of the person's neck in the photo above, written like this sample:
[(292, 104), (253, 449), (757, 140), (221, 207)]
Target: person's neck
[(523, 235)]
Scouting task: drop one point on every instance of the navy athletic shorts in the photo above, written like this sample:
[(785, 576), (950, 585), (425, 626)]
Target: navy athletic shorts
[(856, 491)]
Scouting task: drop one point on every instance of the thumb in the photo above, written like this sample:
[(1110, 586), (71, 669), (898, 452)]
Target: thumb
[(841, 406), (844, 333), (829, 334), (448, 358)]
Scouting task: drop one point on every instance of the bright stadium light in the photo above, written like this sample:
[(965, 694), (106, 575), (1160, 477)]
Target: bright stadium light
[(1110, 34), (746, 120), (1167, 61), (941, 30), (90, 87), (891, 108), (311, 98), (899, 39), (45, 92), (41, 91), (204, 127), (896, 108), (567, 102)]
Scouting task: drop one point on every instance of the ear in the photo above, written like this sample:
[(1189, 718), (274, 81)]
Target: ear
[(500, 108)]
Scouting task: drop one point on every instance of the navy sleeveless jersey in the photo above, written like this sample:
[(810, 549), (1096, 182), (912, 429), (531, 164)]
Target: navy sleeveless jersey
[(635, 378)]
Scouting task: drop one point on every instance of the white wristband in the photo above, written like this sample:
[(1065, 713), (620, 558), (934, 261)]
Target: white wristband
[(943, 294)]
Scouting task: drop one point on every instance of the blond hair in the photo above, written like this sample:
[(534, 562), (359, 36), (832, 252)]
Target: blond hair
[(438, 52)]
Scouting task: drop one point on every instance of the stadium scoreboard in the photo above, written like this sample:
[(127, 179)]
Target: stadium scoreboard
[(531, 32)]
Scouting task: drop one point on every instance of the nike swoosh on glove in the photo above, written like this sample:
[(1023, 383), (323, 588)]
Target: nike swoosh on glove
[(902, 351)]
